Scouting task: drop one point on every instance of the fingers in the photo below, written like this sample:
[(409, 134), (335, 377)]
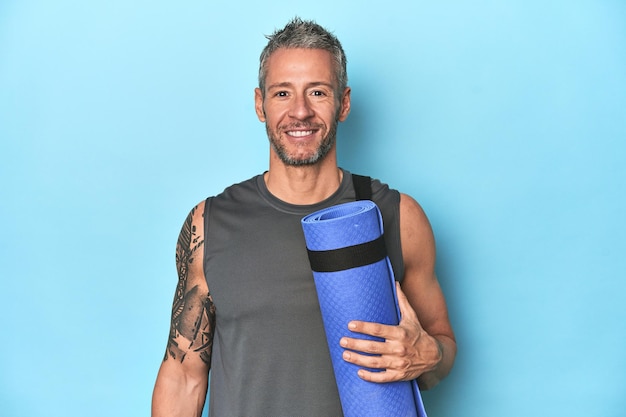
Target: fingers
[(371, 347), (383, 331), (385, 355), (385, 368), (390, 356)]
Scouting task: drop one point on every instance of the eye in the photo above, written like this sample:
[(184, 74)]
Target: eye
[(281, 94), (318, 93)]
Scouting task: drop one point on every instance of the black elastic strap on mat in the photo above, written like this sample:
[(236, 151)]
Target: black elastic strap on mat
[(349, 257), (362, 187)]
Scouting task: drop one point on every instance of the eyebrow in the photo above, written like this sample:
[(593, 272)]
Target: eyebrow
[(309, 85)]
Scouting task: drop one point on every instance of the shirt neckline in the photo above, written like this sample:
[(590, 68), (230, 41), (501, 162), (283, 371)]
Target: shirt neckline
[(305, 209)]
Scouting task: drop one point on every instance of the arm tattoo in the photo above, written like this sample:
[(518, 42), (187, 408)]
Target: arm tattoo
[(193, 312)]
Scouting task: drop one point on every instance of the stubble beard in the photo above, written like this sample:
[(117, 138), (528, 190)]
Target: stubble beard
[(318, 155)]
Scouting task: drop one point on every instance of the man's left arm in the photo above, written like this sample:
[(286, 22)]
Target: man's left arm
[(422, 345)]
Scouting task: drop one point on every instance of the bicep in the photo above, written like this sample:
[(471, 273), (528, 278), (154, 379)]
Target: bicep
[(193, 313), (420, 283)]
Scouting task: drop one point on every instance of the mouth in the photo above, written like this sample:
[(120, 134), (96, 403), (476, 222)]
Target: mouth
[(299, 133)]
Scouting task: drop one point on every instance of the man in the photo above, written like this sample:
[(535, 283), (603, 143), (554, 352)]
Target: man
[(245, 306)]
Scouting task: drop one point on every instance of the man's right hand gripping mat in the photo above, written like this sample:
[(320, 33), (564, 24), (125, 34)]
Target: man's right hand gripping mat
[(354, 281)]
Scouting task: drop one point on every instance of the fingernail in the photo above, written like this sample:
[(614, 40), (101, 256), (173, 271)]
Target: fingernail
[(343, 342), (351, 326)]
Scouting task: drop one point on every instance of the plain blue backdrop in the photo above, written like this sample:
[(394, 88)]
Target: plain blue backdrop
[(505, 120)]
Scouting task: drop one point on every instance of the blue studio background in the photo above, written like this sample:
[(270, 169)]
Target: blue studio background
[(506, 120)]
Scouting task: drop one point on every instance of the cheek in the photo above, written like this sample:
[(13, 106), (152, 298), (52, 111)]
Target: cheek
[(273, 114)]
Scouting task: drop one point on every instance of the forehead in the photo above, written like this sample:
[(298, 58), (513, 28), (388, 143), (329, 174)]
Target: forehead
[(292, 64)]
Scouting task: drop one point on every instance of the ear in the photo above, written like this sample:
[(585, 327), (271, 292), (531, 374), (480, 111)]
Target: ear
[(258, 104), (344, 111)]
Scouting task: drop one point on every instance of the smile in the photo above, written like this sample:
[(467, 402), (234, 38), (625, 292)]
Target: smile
[(299, 133)]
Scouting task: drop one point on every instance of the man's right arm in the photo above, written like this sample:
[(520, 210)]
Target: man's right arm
[(181, 385)]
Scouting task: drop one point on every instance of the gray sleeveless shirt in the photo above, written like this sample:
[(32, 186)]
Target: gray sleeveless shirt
[(270, 356)]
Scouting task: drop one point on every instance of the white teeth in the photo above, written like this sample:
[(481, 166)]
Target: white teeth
[(300, 133)]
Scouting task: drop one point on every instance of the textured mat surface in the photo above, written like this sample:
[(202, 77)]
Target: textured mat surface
[(355, 282)]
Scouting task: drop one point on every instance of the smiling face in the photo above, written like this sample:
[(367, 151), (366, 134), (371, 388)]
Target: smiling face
[(301, 106)]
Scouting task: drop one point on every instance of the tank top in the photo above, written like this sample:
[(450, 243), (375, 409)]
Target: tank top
[(270, 356)]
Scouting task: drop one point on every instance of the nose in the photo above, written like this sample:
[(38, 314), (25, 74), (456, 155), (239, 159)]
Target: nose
[(301, 108)]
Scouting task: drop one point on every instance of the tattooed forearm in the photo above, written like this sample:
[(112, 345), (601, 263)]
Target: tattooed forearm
[(193, 312)]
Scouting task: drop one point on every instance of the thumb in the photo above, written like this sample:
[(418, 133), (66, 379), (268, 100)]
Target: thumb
[(406, 310)]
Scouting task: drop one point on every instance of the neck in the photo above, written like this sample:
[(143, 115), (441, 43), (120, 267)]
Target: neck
[(303, 185)]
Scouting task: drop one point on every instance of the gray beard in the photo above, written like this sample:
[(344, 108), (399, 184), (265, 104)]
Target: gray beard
[(321, 152)]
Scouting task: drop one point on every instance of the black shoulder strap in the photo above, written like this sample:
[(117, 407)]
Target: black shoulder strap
[(362, 187)]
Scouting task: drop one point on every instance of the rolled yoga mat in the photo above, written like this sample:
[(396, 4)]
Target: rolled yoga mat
[(354, 281)]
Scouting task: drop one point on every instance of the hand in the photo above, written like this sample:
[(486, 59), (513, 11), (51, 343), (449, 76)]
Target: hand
[(406, 353)]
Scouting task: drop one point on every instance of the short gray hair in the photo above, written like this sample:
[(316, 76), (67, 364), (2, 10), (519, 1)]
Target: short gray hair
[(305, 34)]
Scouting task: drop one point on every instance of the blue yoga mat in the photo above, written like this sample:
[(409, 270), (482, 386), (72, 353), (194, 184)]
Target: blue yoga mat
[(354, 281)]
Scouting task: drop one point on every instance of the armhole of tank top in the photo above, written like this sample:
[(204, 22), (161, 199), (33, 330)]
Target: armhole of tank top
[(205, 216), (399, 238)]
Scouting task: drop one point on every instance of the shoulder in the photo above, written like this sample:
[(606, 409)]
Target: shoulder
[(381, 193), (411, 212), (413, 219), (240, 190), (190, 244), (381, 190), (418, 242), (194, 222)]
